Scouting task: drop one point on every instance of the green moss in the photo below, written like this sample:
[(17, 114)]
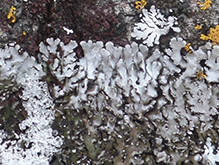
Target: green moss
[(90, 147)]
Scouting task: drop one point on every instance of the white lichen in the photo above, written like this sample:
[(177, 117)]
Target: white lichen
[(210, 155), (36, 100), (153, 24), (212, 65), (38, 133), (160, 87)]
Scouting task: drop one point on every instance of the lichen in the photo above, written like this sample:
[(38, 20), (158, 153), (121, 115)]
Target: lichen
[(187, 48), (140, 4), (153, 24), (213, 35), (201, 75), (34, 130), (198, 27), (94, 102), (205, 5), (12, 14)]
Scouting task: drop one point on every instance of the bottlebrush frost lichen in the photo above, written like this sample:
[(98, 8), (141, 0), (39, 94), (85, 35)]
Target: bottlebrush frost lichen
[(153, 24), (194, 103), (61, 64), (112, 73), (115, 70), (212, 65)]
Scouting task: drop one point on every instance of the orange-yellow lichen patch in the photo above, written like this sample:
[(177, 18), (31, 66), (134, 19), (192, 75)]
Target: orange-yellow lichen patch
[(140, 4), (205, 5), (213, 35), (11, 14), (201, 75), (187, 48), (198, 27)]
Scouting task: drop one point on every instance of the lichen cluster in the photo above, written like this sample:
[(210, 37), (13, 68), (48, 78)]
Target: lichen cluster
[(29, 139), (88, 96), (213, 35), (121, 84)]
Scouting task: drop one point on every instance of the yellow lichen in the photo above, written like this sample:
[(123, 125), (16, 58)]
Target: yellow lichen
[(213, 35), (205, 5), (198, 27), (187, 48), (201, 75), (140, 4), (11, 14)]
